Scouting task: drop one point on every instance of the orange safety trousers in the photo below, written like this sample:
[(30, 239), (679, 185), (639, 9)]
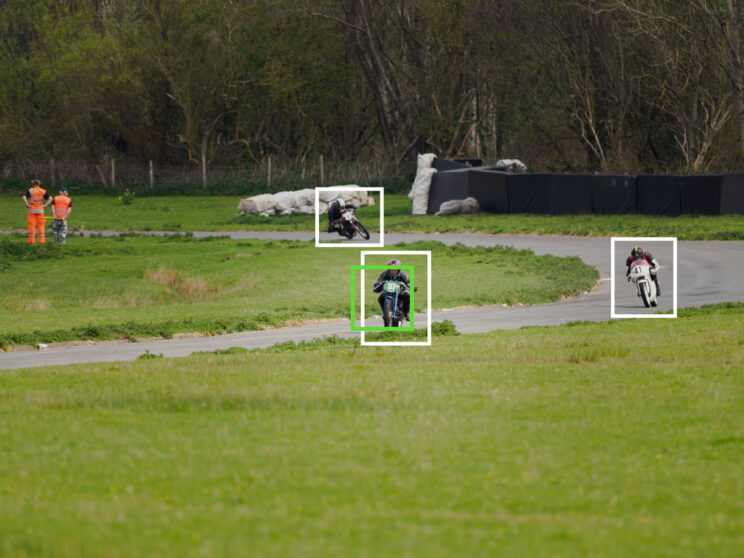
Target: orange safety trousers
[(36, 221)]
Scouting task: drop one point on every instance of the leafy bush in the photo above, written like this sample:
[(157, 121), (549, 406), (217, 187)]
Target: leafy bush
[(127, 197), (147, 355)]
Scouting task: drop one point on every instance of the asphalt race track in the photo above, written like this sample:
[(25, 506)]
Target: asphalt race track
[(708, 272)]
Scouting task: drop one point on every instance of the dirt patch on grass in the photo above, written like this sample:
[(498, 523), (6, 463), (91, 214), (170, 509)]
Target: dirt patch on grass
[(29, 305), (246, 284), (129, 300), (192, 288)]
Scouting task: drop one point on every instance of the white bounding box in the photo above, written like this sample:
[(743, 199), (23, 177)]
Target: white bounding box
[(640, 240), (319, 244), (426, 253)]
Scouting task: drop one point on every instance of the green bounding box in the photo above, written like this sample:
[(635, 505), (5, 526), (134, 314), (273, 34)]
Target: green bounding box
[(354, 269)]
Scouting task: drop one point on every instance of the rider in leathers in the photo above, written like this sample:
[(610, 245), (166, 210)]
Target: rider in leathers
[(405, 287), (638, 253), (335, 210)]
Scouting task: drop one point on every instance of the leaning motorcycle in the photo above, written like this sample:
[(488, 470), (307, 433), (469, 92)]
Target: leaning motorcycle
[(350, 225), (640, 275)]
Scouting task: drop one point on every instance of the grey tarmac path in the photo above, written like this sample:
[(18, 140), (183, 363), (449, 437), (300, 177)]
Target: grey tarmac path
[(708, 272)]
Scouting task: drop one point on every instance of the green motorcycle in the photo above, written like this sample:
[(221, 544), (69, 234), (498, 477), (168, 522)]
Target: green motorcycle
[(392, 313)]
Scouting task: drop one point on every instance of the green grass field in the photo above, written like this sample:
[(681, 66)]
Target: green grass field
[(607, 439), (215, 213), (139, 286), (622, 438)]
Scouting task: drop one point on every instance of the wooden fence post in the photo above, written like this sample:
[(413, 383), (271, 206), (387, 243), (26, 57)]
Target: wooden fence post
[(152, 175), (322, 171), (268, 173), (113, 173), (102, 176)]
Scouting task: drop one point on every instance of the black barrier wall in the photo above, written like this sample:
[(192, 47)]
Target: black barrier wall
[(488, 187), (470, 162), (701, 194), (614, 194), (658, 195), (573, 194), (712, 194), (529, 193), (557, 194), (446, 186), (491, 190), (443, 165), (732, 194)]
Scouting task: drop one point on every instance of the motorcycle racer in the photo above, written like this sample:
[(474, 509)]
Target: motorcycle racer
[(335, 209), (638, 253), (405, 287)]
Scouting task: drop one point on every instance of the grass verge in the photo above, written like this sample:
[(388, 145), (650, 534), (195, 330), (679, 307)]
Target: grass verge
[(543, 441), (139, 286), (214, 213)]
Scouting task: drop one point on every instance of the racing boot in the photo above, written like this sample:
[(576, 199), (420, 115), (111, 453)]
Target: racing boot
[(658, 287)]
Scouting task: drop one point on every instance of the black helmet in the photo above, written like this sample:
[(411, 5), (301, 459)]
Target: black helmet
[(636, 252)]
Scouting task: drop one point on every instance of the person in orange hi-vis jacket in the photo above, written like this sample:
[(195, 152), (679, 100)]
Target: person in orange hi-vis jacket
[(34, 200), (61, 208)]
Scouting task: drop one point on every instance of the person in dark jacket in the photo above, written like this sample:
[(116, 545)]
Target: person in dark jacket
[(405, 287), (335, 209), (638, 253)]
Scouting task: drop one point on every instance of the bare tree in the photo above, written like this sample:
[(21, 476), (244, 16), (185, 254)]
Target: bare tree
[(402, 55), (209, 85), (681, 75), (726, 16)]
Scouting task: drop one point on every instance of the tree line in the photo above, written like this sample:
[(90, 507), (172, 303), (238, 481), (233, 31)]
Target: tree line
[(564, 85)]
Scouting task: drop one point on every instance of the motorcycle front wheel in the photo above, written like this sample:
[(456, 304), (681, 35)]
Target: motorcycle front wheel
[(644, 295), (361, 229), (387, 313), (395, 321)]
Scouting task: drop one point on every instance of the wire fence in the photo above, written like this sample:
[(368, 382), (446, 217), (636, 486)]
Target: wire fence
[(272, 172)]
